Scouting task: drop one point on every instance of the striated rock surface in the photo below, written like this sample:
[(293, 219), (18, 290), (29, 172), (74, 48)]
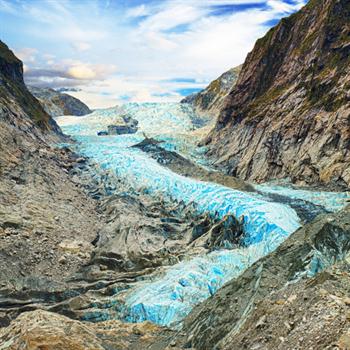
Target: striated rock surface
[(57, 103), (288, 115), (210, 100)]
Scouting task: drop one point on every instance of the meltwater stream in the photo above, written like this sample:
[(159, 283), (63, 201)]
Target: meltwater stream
[(169, 298)]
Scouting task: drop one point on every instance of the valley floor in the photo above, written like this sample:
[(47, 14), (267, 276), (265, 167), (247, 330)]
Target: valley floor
[(145, 231)]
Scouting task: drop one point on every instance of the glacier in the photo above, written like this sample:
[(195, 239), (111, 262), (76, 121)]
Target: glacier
[(331, 201), (168, 298)]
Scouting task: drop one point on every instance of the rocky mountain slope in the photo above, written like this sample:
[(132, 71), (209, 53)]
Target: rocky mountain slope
[(56, 103), (64, 245), (288, 115), (210, 100), (39, 203)]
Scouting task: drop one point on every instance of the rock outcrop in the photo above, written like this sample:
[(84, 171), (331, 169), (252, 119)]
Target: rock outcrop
[(57, 103), (288, 115), (15, 99), (122, 125), (210, 100), (183, 166)]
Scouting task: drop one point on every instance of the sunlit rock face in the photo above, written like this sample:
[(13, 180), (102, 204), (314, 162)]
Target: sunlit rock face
[(169, 296), (288, 114)]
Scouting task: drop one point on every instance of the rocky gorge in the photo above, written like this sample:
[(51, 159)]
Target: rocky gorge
[(138, 241)]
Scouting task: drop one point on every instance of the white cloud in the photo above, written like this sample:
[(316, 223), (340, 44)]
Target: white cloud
[(172, 16), (138, 11), (82, 72), (150, 43), (280, 6)]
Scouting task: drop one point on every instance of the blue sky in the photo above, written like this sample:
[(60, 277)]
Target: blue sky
[(115, 51)]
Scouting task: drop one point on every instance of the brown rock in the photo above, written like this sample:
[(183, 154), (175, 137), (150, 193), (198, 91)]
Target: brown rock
[(288, 115)]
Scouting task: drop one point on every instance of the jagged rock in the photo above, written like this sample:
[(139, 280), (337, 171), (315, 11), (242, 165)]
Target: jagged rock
[(121, 129), (152, 233), (15, 99), (288, 115), (56, 103)]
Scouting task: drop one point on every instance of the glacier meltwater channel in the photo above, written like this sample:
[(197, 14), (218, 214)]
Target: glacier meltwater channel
[(168, 299)]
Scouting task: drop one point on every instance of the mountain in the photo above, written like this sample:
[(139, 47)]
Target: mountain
[(56, 103), (288, 115), (209, 101), (40, 205)]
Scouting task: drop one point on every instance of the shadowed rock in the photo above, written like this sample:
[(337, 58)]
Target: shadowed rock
[(184, 166)]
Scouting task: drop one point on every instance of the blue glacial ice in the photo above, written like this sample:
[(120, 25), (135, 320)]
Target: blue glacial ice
[(145, 174), (169, 122), (171, 296), (153, 118), (167, 300)]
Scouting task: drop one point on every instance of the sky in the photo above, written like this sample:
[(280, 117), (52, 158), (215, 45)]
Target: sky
[(108, 52)]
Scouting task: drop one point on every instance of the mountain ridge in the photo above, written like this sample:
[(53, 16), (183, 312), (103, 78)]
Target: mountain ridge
[(15, 96), (287, 116), (57, 103), (209, 100)]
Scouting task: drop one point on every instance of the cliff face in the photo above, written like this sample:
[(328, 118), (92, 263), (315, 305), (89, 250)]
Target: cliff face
[(56, 103), (210, 100), (17, 104), (289, 113)]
